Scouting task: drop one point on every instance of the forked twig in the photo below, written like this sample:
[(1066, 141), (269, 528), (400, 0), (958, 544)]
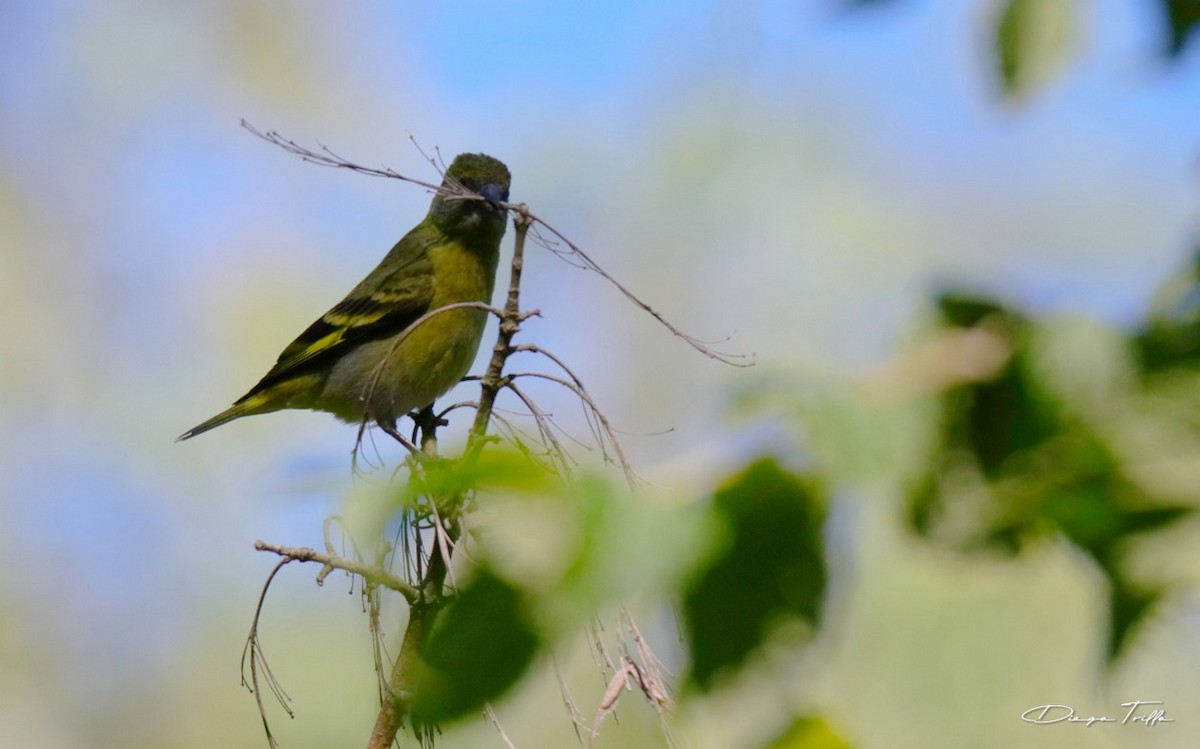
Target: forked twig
[(329, 562), (586, 398), (254, 651), (545, 428), (326, 157), (639, 668), (429, 573)]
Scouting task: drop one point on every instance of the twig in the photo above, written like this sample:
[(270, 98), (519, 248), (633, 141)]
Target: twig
[(510, 323), (554, 448), (590, 264), (442, 544), (590, 415), (330, 562), (425, 609), (254, 650), (491, 716), (654, 685), (577, 720), (426, 589), (586, 397), (326, 157)]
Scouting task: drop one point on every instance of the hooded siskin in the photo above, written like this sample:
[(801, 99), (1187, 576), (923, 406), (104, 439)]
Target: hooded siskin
[(358, 361)]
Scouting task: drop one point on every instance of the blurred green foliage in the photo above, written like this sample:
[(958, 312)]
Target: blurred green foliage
[(549, 556), (480, 646), (552, 554), (1043, 459), (1170, 340), (1182, 17), (1032, 43), (771, 566), (809, 732), (1032, 39), (1031, 450)]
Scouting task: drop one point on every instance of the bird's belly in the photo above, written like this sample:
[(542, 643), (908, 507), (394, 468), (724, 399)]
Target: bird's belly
[(386, 379)]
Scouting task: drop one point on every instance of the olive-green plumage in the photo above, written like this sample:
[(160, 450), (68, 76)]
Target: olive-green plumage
[(364, 359)]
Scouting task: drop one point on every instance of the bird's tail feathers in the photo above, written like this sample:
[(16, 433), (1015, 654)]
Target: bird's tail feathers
[(255, 404)]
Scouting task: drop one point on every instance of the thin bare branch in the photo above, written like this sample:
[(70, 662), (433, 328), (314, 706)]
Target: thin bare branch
[(596, 647), (439, 520), (442, 543), (375, 627), (650, 676), (330, 562), (491, 716), (577, 721), (572, 385), (327, 535), (253, 651), (545, 427), (654, 685), (326, 157), (703, 347), (510, 324), (356, 451), (519, 438), (590, 417)]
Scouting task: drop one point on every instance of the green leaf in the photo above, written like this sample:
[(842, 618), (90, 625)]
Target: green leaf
[(809, 732), (1182, 18), (1129, 606), (1032, 43), (1084, 366), (575, 549), (966, 311), (1094, 515), (772, 568), (1171, 338), (1000, 418), (482, 644)]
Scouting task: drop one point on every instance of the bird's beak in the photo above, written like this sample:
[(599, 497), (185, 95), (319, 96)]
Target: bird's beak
[(494, 194)]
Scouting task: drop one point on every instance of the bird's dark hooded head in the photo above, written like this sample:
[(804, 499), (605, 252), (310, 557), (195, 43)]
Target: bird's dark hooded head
[(457, 213)]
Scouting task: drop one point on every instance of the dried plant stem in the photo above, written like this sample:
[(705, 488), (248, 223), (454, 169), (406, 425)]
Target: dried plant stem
[(511, 318), (401, 684), (431, 599), (437, 516), (330, 562), (326, 157)]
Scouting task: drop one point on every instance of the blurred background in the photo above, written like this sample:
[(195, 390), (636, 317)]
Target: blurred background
[(799, 177)]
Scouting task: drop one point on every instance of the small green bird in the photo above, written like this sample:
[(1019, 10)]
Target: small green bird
[(361, 360)]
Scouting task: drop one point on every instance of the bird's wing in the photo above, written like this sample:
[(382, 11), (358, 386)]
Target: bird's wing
[(387, 301)]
